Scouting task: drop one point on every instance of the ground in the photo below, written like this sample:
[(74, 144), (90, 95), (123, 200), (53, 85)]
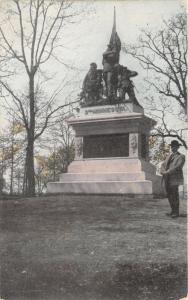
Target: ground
[(70, 247)]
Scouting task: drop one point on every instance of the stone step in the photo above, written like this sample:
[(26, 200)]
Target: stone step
[(114, 165), (105, 187), (68, 177)]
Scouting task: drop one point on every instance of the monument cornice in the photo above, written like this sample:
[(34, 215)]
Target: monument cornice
[(112, 118)]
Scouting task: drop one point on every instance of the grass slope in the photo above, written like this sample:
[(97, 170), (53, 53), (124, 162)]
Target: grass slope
[(91, 248)]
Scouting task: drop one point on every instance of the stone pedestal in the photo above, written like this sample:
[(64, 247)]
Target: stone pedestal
[(111, 144)]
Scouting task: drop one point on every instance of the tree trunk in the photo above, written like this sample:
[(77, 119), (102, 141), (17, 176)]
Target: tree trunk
[(18, 183), (24, 180), (12, 167), (54, 166), (30, 171)]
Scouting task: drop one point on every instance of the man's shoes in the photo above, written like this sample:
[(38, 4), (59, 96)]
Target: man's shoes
[(169, 214), (174, 216)]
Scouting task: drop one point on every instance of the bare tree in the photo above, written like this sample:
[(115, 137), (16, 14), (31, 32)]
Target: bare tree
[(169, 122), (163, 54), (37, 28)]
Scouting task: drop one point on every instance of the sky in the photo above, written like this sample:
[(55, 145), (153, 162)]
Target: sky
[(86, 41), (131, 16)]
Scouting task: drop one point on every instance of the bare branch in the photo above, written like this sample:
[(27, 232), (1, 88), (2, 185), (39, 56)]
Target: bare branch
[(22, 35), (52, 42), (49, 33), (50, 115), (20, 58), (18, 100), (165, 135), (34, 35)]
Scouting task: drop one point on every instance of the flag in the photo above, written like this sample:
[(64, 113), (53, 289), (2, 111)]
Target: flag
[(114, 39)]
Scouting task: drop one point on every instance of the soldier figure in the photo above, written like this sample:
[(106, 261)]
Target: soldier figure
[(92, 85), (125, 85), (109, 60)]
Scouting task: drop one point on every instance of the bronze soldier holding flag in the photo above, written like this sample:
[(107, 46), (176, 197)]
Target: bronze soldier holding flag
[(110, 59)]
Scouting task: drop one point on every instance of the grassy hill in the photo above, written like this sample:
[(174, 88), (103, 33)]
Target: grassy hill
[(69, 247)]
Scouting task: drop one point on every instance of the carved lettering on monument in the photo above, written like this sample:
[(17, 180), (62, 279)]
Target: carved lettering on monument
[(124, 108)]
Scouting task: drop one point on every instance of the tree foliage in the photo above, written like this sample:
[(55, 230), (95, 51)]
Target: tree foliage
[(50, 167), (11, 150), (159, 149)]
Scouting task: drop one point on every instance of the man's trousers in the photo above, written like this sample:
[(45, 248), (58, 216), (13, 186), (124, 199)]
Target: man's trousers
[(173, 198)]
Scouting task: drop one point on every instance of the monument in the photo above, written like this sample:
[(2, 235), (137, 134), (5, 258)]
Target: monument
[(111, 134)]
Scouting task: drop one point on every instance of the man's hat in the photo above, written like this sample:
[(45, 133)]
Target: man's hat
[(93, 64), (175, 143)]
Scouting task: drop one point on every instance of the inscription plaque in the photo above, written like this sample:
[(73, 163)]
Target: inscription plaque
[(111, 145)]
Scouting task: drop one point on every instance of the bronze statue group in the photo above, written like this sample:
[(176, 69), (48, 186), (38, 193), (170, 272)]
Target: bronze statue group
[(110, 84)]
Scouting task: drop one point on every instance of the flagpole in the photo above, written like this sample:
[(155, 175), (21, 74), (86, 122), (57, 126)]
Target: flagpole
[(114, 18)]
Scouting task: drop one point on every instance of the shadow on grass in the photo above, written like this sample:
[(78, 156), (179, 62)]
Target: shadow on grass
[(151, 281), (183, 215), (70, 280)]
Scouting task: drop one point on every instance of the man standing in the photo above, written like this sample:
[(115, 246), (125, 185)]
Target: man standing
[(171, 169)]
